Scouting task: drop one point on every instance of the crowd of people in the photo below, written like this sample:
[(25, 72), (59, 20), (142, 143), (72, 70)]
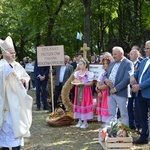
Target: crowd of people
[(121, 90)]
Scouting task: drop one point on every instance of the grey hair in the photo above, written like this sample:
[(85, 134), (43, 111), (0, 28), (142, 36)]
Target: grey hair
[(118, 48), (147, 42)]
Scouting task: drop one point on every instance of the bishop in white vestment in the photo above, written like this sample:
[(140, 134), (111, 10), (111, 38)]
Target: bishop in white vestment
[(15, 103)]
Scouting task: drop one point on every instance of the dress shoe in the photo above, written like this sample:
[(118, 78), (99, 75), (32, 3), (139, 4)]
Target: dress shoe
[(49, 111), (132, 127), (5, 148), (45, 108), (16, 148), (37, 109), (141, 141)]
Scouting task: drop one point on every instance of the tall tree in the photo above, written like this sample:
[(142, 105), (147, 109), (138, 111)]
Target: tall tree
[(87, 26)]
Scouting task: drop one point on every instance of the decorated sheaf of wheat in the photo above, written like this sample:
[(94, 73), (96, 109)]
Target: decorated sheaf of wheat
[(66, 91)]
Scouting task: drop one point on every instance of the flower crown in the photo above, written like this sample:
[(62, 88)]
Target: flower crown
[(107, 59), (82, 60)]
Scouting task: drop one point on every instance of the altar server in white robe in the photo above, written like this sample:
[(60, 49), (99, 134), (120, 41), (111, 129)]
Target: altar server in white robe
[(15, 103)]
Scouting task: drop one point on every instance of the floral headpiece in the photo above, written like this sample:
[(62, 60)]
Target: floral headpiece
[(82, 60), (107, 59)]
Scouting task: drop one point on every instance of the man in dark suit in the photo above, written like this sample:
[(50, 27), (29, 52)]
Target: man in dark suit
[(62, 74), (140, 82), (41, 75), (117, 78), (133, 106), (75, 63)]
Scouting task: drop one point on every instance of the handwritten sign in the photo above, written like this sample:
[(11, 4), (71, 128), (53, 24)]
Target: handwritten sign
[(96, 69), (29, 68), (50, 55)]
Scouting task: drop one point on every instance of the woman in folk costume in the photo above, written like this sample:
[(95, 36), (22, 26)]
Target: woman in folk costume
[(15, 103), (83, 102), (102, 94)]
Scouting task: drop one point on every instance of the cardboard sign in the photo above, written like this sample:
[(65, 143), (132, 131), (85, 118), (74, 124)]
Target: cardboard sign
[(29, 68), (96, 69), (50, 55)]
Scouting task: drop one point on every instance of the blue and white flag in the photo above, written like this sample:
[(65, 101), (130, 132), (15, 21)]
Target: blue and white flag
[(79, 36)]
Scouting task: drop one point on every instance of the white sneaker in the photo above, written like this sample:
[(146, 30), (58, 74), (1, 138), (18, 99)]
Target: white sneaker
[(79, 124), (84, 126)]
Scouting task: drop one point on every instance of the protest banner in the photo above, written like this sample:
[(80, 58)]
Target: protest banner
[(50, 55)]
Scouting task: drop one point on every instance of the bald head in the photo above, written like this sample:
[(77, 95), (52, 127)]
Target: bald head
[(67, 59), (118, 53), (134, 54), (147, 48)]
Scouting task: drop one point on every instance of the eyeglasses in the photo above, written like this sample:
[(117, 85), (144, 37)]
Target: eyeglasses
[(146, 49)]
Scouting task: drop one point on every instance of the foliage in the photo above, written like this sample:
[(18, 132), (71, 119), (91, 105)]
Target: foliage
[(35, 22)]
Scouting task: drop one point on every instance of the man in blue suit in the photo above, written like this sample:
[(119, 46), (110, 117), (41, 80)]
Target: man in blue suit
[(41, 79), (140, 82), (117, 78)]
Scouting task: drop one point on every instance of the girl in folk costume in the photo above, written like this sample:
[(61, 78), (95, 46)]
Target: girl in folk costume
[(102, 94), (83, 102)]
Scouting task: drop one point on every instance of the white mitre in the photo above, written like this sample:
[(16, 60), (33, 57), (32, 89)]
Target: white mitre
[(7, 44), (1, 41)]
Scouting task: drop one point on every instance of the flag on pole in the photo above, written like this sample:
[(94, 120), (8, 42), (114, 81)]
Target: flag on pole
[(79, 36)]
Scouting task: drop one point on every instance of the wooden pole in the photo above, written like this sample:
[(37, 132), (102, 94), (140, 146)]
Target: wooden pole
[(52, 95)]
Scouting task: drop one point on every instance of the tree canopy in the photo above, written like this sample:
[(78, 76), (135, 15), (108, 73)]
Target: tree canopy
[(103, 24)]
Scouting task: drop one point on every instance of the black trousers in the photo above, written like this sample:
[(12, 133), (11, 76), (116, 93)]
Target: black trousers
[(144, 104), (13, 148), (57, 92)]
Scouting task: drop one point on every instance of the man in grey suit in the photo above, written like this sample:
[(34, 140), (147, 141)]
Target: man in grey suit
[(62, 74), (117, 78)]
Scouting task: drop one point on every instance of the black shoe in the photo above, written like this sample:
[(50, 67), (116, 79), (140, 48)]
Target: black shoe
[(37, 109), (5, 148), (49, 111), (132, 127), (45, 108), (16, 148), (140, 141)]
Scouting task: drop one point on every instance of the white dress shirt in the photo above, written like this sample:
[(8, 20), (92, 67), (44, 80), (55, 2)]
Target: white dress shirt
[(62, 72), (145, 68)]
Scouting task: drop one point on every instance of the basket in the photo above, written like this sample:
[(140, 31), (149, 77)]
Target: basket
[(59, 118)]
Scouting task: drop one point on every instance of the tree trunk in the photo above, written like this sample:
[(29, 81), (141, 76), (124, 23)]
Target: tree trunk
[(87, 27), (51, 20)]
